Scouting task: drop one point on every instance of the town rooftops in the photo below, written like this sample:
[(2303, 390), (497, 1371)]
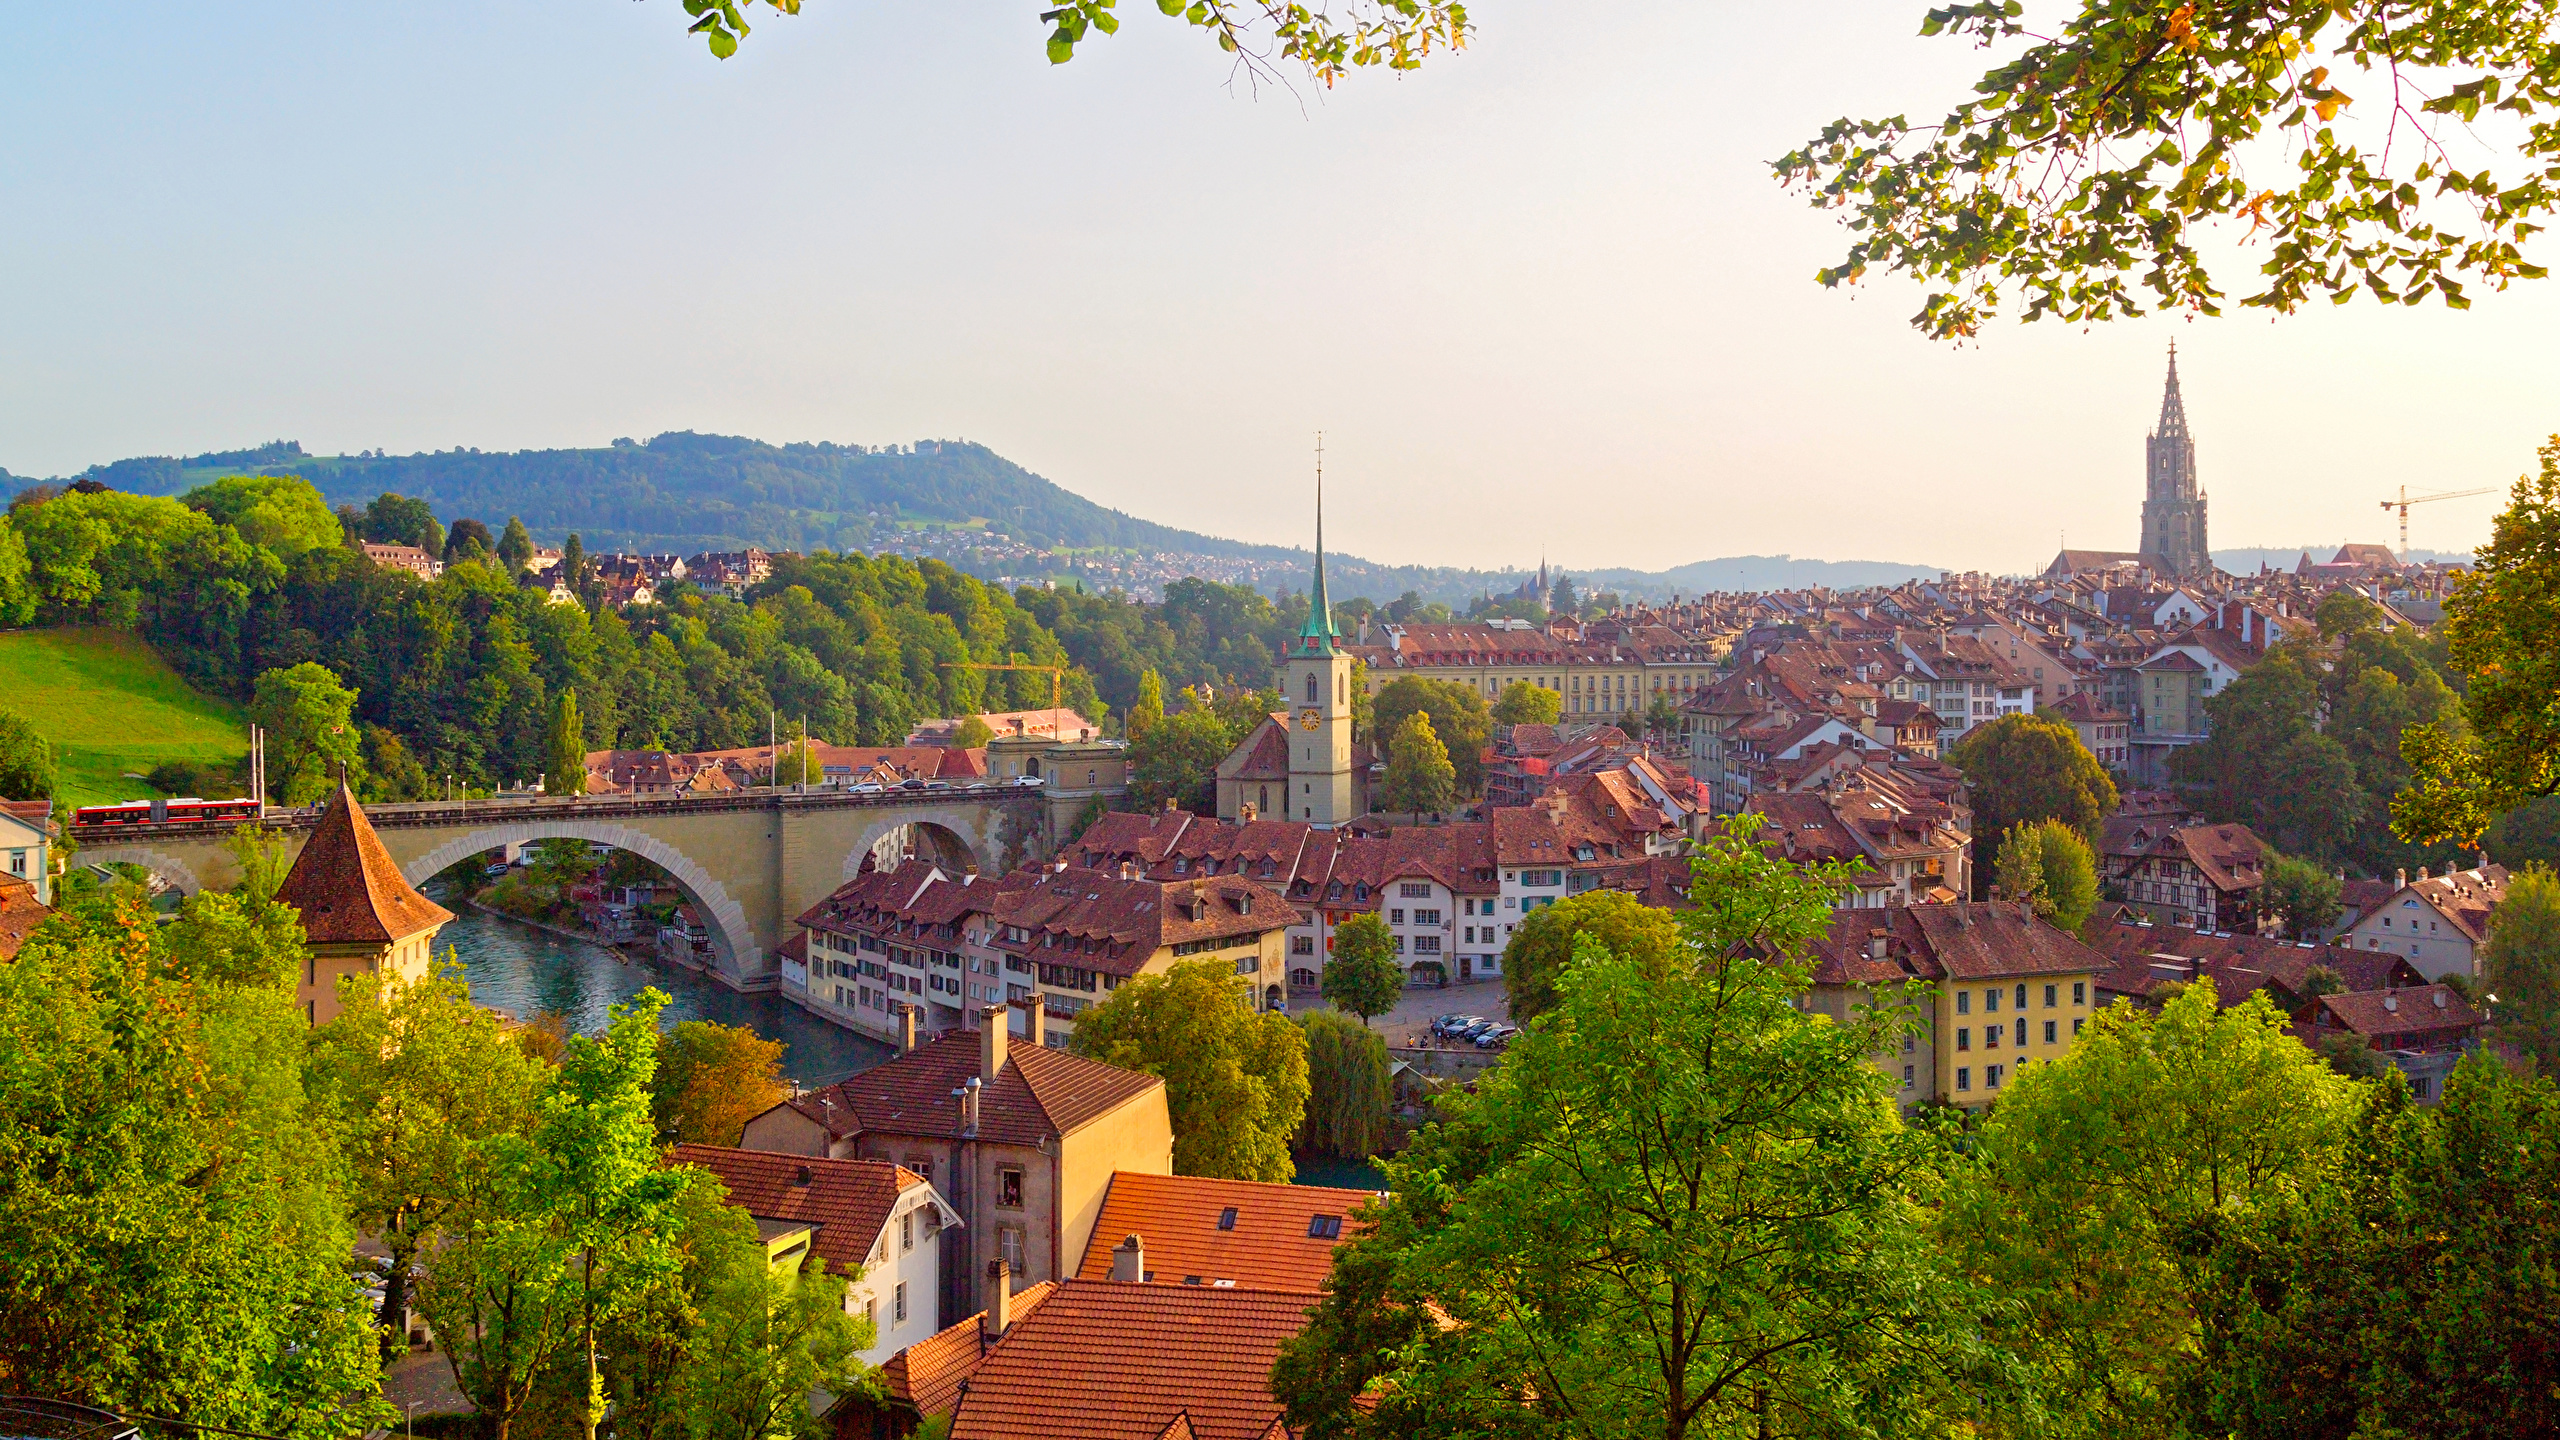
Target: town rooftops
[(1040, 1093), (1959, 942), (1113, 924), (1095, 1360), (2392, 1019), (20, 914), (929, 1374), (844, 1203), (348, 888), (1199, 1231)]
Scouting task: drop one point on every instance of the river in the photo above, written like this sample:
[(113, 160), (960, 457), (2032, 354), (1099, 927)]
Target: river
[(519, 969)]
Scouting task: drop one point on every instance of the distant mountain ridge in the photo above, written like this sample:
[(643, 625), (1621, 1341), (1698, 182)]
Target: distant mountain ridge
[(687, 492)]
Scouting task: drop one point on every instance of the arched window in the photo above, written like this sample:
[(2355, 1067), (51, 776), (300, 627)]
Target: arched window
[(1311, 689)]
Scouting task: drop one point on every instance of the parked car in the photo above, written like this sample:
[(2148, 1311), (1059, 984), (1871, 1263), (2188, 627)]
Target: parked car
[(1440, 1023), (911, 783), (1029, 780), (1496, 1037), (1471, 1032), (1448, 1025)]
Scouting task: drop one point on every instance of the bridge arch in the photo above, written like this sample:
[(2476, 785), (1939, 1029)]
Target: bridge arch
[(732, 935), (935, 843), (168, 867)]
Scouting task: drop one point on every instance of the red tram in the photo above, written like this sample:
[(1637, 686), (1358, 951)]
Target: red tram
[(184, 811)]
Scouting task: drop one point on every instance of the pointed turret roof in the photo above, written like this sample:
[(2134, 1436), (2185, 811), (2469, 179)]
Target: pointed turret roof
[(349, 889), (1318, 633), (2173, 407)]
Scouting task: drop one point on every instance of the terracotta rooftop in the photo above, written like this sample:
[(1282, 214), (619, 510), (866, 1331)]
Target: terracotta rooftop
[(349, 889), (1198, 1231), (846, 1203), (20, 914), (1099, 1361), (1040, 1092), (2387, 1015), (928, 1374)]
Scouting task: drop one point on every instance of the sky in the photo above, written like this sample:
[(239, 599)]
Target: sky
[(1542, 297)]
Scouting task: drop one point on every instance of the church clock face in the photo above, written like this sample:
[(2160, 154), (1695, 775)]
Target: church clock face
[(1310, 719)]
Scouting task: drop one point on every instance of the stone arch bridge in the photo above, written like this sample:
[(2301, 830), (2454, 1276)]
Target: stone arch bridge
[(750, 861)]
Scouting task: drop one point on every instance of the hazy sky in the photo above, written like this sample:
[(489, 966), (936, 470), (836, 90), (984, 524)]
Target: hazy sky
[(1542, 296)]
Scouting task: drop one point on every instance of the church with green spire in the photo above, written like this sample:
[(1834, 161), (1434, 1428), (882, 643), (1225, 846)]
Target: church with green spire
[(1315, 687)]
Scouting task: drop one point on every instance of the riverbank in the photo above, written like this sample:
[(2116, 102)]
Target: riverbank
[(521, 967)]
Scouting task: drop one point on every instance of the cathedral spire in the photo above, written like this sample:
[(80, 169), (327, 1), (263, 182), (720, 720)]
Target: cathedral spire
[(2173, 407), (1318, 633)]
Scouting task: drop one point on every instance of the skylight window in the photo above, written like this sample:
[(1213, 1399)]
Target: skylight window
[(1227, 1218)]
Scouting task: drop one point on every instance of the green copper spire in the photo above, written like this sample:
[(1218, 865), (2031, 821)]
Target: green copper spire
[(1318, 633)]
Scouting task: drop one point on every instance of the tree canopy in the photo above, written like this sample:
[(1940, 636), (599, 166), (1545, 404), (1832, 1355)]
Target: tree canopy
[(1524, 702), (1347, 1088), (1362, 975), (1419, 774), (1235, 1079), (1547, 939), (2022, 768), (1460, 721)]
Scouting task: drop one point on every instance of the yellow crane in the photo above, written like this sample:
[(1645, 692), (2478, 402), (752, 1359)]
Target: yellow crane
[(2406, 500), (1057, 676)]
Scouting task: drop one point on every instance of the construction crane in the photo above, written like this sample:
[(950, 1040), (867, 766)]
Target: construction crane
[(2406, 500), (1057, 676)]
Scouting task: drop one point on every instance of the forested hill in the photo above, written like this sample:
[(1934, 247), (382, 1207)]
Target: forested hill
[(684, 492)]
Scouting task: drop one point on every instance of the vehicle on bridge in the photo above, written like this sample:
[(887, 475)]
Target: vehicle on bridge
[(187, 810)]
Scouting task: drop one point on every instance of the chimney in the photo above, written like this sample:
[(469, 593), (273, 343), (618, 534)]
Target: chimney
[(2400, 879), (999, 1307), (1876, 940), (2391, 1002), (1129, 1261), (2439, 999), (969, 1091), (2422, 872), (1128, 869), (1247, 812), (1035, 1030), (993, 1029), (907, 1028)]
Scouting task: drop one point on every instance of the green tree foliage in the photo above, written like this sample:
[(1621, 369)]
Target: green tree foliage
[(399, 520), (422, 1082), (568, 1232), (2094, 1175), (391, 770), (2267, 765), (1235, 1079), (26, 760), (2520, 965), (1673, 1210), (515, 547), (711, 1080), (277, 513), (2023, 768), (2085, 171), (2048, 863), (1326, 42), (170, 1196), (1562, 598), (1362, 975), (1147, 711), (469, 542), (1525, 703), (1203, 633), (2528, 834), (565, 769), (2303, 893), (2401, 1294), (311, 732), (1539, 952), (2502, 635), (1348, 1084), (1177, 760), (1419, 775), (971, 733)]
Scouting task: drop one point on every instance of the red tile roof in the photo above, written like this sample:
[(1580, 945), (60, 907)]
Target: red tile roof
[(1099, 1361), (1176, 1218), (846, 1202), (929, 1373), (20, 914), (349, 889), (1963, 941), (1040, 1092)]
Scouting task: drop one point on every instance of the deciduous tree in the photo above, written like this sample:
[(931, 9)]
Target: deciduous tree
[(2520, 965), (2266, 764), (515, 547), (564, 771), (2502, 630), (2023, 768), (1362, 975), (1235, 1079), (1419, 775), (311, 733), (1525, 703), (1347, 1088), (711, 1080), (1539, 952), (1177, 759), (2095, 1173), (1678, 1210), (2046, 862), (2303, 893), (26, 760)]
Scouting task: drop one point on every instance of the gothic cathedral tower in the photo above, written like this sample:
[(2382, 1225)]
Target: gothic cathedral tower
[(2172, 506), (1315, 682)]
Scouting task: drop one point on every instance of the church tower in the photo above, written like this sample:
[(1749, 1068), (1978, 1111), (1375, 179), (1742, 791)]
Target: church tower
[(2172, 506), (1315, 683)]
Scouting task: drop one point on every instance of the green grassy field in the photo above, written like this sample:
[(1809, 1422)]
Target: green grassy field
[(111, 707)]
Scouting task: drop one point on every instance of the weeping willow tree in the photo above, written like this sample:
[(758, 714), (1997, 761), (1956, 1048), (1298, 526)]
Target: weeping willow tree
[(1347, 1084)]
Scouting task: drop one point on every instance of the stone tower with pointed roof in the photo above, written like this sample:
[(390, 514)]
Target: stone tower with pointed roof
[(2172, 506), (1315, 685), (359, 914)]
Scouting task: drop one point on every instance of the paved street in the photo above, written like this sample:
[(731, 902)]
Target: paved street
[(1414, 1012)]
